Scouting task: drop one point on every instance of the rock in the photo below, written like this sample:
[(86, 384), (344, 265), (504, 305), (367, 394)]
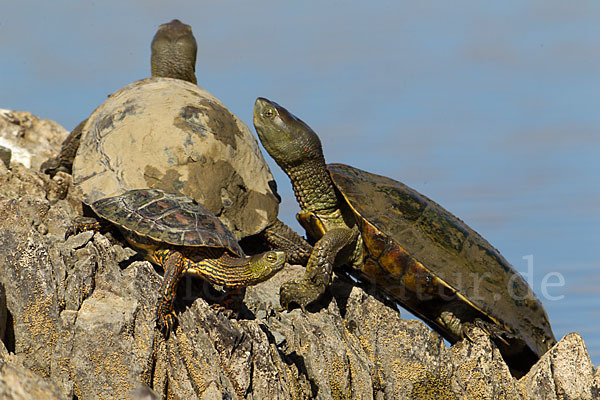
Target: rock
[(564, 372), (596, 385), (31, 297), (5, 155), (479, 372), (31, 140), (19, 383), (77, 320), (143, 392), (113, 333)]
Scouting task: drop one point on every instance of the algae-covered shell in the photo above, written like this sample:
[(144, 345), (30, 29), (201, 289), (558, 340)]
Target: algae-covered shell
[(173, 135), (432, 261)]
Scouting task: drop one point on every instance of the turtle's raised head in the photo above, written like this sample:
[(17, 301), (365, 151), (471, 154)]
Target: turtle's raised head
[(287, 138), (174, 52), (297, 150)]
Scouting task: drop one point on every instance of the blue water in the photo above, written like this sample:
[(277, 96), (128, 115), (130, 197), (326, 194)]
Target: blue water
[(491, 109)]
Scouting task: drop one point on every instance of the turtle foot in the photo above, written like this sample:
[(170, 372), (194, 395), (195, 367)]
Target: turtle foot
[(299, 292), (227, 312), (453, 324), (83, 224), (461, 329), (165, 322), (495, 332), (231, 303), (456, 327)]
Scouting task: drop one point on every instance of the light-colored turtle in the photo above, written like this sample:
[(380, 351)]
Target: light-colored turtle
[(173, 56), (173, 135), (166, 132)]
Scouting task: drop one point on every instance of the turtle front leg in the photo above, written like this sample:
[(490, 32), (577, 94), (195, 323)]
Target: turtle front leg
[(336, 247), (280, 236), (174, 266), (64, 160)]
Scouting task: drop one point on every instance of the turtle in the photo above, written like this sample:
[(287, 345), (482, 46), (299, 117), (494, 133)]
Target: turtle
[(414, 251), (182, 236), (173, 55), (168, 133)]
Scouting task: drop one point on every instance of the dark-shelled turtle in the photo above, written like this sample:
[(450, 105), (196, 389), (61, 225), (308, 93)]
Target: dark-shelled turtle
[(184, 237), (411, 248)]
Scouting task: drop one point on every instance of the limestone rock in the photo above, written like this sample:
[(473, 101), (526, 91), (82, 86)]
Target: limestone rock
[(30, 139), (5, 155), (564, 372), (596, 385), (20, 383)]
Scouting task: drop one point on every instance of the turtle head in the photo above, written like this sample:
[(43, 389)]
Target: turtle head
[(265, 265), (174, 52), (286, 138)]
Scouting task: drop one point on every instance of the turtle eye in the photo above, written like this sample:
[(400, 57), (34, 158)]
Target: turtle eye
[(271, 257), (269, 113)]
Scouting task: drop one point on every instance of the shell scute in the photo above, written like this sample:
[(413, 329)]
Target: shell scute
[(374, 240), (179, 219), (167, 218), (395, 260)]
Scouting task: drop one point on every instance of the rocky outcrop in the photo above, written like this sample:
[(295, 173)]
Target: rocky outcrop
[(31, 140), (77, 319), (565, 372)]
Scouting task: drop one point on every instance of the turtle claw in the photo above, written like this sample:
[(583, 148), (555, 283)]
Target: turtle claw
[(222, 309), (494, 331), (465, 332), (70, 232), (299, 292), (461, 329)]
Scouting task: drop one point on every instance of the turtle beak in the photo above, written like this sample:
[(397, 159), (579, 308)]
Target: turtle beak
[(271, 129), (260, 106), (260, 102)]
